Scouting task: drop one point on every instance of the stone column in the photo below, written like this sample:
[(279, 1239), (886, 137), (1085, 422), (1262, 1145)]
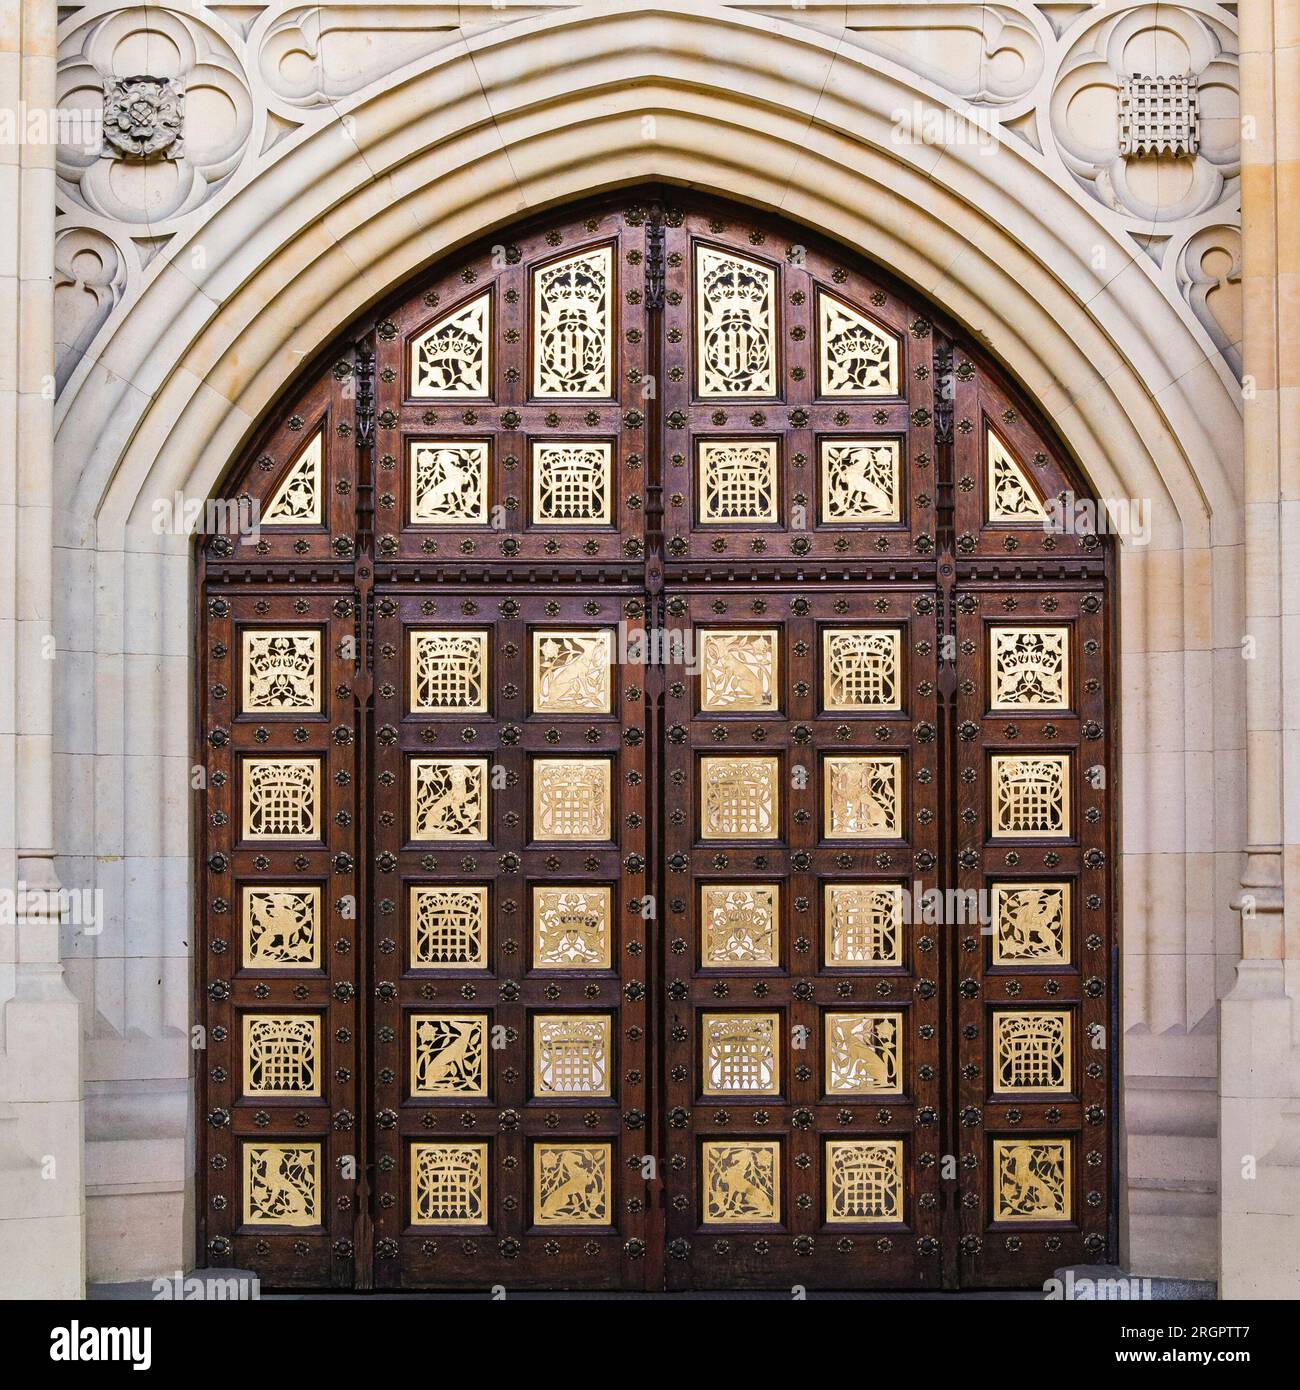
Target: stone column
[(1259, 1062), (41, 1166)]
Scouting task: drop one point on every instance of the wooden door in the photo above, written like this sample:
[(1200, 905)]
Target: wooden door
[(649, 631)]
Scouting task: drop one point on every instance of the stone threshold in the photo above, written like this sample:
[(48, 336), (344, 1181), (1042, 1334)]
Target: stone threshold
[(1079, 1283)]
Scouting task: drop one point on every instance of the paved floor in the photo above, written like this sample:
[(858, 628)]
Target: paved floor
[(1160, 1290)]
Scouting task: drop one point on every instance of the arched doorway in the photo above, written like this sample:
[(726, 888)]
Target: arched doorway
[(648, 614)]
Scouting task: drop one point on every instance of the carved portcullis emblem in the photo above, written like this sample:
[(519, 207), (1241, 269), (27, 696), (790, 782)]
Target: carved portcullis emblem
[(1031, 795), (739, 798), (571, 799), (143, 117), (571, 1055), (864, 1180), (740, 1054), (448, 926), (449, 1184)]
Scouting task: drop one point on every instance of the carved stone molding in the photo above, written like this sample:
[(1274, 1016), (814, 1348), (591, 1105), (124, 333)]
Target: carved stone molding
[(311, 55), (146, 69), (1149, 42), (143, 117), (90, 276), (989, 55), (1208, 274)]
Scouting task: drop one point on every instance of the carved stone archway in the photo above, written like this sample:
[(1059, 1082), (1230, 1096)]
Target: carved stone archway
[(464, 141)]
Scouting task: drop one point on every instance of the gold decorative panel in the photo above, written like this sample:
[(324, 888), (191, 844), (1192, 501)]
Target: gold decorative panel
[(282, 1054), (449, 1054), (864, 924), (449, 798), (1011, 496), (740, 925), (571, 1184), (1031, 795), (571, 799), (282, 1184), (861, 669), (735, 325), (860, 480), (281, 670), (1031, 1050), (282, 798), (572, 326), (741, 1182), (738, 670), (298, 499), (864, 1053), (1029, 667), (738, 481), (573, 672), (281, 928), (449, 672), (448, 927), (1031, 923), (864, 1180), (857, 356), (571, 928), (862, 797), (449, 483), (449, 1183), (453, 357), (1031, 1180), (741, 1055), (573, 484), (739, 798), (571, 1055)]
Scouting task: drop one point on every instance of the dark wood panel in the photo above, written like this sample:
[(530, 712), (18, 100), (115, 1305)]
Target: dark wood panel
[(657, 414)]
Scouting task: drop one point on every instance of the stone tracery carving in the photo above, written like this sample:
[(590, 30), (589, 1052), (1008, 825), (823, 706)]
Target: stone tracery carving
[(1152, 43), (90, 278), (142, 70), (1004, 59), (1207, 271)]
